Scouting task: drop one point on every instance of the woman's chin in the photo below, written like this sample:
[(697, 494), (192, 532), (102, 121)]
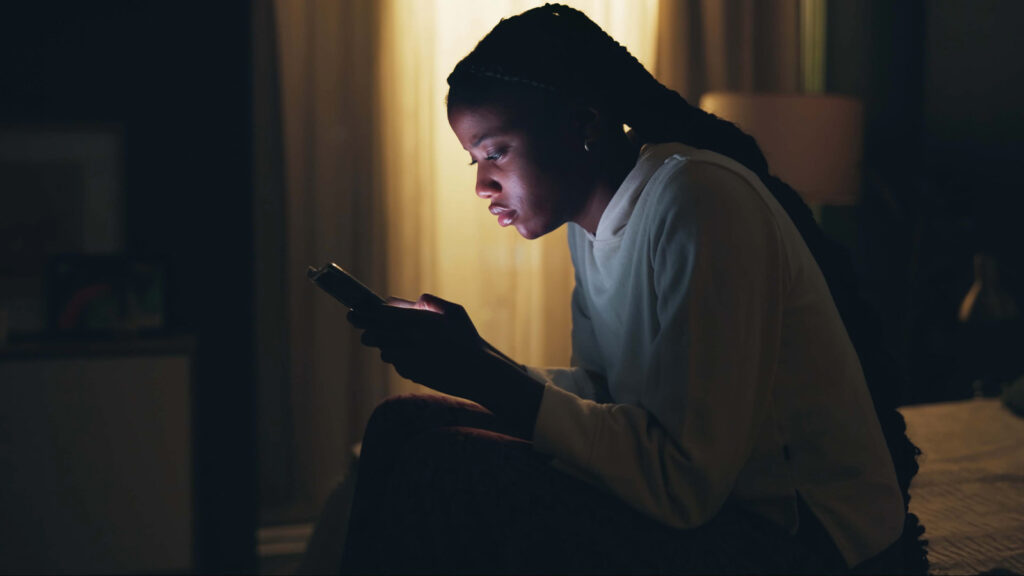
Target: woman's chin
[(524, 231), (530, 230)]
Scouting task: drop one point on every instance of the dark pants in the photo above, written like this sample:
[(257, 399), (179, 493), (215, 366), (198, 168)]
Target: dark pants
[(441, 490)]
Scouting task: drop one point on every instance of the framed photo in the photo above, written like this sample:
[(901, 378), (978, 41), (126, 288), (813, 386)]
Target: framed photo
[(105, 294), (60, 192)]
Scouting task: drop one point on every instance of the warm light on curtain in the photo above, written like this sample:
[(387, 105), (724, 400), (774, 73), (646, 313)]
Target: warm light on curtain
[(741, 45), (440, 237)]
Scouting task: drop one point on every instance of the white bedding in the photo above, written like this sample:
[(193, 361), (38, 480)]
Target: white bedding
[(969, 493)]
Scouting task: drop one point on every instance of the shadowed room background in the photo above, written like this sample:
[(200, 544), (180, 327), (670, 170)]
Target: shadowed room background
[(355, 163)]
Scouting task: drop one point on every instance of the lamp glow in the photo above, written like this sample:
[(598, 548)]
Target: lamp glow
[(812, 141)]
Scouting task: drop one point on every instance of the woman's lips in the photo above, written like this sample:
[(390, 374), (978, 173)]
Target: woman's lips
[(505, 215)]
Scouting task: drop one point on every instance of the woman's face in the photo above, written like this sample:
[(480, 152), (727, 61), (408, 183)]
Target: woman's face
[(532, 176)]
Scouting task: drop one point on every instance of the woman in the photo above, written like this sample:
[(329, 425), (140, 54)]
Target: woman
[(716, 416)]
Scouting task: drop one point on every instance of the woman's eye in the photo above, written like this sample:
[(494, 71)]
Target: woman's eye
[(493, 157)]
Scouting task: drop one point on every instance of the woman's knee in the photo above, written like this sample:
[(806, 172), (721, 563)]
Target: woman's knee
[(396, 408), (401, 417), (458, 455), (390, 417)]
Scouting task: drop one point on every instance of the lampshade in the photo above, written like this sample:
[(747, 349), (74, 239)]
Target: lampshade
[(812, 141)]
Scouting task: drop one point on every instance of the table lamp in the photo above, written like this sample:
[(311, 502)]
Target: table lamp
[(812, 141)]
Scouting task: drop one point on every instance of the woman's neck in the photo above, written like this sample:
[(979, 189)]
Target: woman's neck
[(613, 165)]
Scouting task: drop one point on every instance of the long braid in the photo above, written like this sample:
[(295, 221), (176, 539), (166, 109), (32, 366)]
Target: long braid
[(569, 55)]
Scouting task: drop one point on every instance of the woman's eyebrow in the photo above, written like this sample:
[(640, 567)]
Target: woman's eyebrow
[(493, 132), (482, 137)]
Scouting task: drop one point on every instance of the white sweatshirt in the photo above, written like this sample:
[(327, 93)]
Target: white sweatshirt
[(710, 363)]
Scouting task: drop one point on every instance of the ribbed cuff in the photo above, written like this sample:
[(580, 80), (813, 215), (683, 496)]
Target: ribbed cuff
[(566, 426)]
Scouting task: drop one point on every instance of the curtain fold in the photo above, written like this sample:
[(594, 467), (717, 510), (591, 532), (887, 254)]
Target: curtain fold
[(270, 318), (743, 45), (332, 211)]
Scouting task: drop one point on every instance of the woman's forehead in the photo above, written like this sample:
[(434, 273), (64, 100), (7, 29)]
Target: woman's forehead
[(474, 124), (526, 115)]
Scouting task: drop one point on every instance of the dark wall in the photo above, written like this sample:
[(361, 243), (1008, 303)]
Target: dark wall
[(975, 71), (974, 139), (941, 81), (176, 80)]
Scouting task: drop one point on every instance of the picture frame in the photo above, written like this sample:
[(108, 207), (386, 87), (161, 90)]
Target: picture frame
[(61, 191), (105, 294)]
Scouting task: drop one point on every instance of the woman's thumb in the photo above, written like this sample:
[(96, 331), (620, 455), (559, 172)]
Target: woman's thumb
[(431, 302)]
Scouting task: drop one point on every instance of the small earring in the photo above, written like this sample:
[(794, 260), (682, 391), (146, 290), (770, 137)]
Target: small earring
[(586, 146)]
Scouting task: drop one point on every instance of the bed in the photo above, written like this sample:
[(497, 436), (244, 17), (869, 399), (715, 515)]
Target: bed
[(969, 493)]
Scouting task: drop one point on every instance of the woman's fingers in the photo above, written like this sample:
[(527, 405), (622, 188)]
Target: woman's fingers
[(417, 339), (394, 319), (409, 321), (427, 302), (399, 302), (413, 363), (433, 303), (385, 339), (356, 319)]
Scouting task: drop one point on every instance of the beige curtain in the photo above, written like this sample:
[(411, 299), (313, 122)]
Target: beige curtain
[(742, 45), (332, 210)]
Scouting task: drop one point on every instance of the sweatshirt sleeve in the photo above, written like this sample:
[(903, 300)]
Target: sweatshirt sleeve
[(584, 376), (716, 276)]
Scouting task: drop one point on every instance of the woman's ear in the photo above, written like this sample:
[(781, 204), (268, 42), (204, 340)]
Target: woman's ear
[(586, 122)]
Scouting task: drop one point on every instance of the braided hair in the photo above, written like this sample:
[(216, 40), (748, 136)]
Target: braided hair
[(556, 54)]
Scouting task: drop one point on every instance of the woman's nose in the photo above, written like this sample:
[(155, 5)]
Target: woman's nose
[(486, 187)]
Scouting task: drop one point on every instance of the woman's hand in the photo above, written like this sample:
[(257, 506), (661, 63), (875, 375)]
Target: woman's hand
[(433, 342), (430, 341)]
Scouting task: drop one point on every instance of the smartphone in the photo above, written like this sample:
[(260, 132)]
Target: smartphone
[(333, 279)]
